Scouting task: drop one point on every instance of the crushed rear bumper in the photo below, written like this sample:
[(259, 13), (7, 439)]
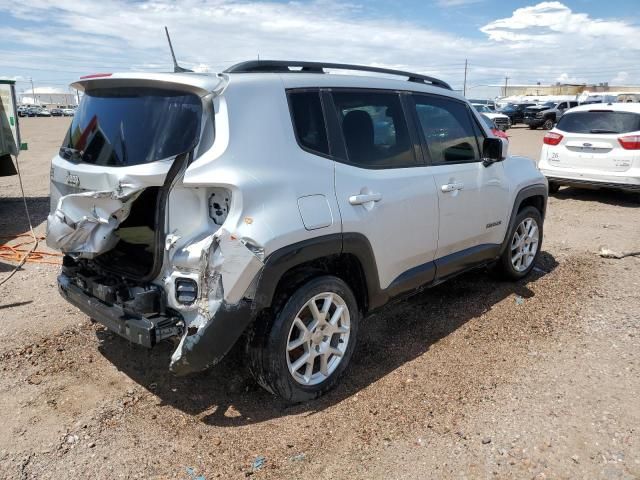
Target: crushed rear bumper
[(198, 349), (137, 328)]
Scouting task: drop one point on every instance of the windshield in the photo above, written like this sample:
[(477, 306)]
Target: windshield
[(482, 109), (599, 121), (129, 126)]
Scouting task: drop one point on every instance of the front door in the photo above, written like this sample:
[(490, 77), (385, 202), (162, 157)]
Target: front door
[(473, 199), (383, 190)]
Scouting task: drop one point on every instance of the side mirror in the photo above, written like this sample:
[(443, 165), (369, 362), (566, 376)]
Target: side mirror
[(493, 150)]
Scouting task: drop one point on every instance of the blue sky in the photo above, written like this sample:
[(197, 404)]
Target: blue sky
[(55, 41)]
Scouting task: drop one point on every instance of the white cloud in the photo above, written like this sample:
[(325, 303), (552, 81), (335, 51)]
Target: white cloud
[(551, 22), (566, 78), (542, 42)]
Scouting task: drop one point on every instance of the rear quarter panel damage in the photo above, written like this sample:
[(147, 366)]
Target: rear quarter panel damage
[(228, 269)]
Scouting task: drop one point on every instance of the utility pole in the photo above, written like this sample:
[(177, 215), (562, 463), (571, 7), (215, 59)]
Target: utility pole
[(506, 80), (33, 92), (464, 86)]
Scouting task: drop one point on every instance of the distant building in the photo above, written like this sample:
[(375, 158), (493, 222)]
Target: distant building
[(563, 89), (47, 96)]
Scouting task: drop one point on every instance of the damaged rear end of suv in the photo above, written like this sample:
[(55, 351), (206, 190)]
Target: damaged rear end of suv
[(143, 253), (267, 203)]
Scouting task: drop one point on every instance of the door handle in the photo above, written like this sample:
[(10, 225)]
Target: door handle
[(364, 198), (452, 187)]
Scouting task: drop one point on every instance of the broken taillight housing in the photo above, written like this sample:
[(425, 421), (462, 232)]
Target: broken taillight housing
[(186, 291), (552, 138)]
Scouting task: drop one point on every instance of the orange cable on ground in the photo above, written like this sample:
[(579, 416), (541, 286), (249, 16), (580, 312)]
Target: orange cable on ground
[(14, 253)]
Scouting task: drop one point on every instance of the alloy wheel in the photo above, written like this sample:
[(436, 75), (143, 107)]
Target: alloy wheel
[(318, 338), (524, 244)]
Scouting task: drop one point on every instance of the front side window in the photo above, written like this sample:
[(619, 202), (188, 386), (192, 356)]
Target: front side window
[(375, 130), (308, 121), (447, 129), (129, 126)]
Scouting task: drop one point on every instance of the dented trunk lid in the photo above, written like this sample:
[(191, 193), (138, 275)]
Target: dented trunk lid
[(122, 140)]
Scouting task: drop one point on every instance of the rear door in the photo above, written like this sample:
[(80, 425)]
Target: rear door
[(383, 189), (590, 140), (472, 198)]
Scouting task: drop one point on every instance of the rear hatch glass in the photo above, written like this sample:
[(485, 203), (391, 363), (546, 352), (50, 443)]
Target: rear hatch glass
[(131, 126), (599, 122)]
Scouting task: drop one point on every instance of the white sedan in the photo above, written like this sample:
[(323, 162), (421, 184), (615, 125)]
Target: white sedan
[(594, 145)]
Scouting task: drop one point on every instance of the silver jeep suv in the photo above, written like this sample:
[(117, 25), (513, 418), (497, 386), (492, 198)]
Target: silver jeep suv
[(278, 203)]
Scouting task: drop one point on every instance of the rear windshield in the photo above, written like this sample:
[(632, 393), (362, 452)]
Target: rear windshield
[(599, 122), (130, 126)]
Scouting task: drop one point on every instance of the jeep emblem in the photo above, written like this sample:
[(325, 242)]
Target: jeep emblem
[(587, 145), (72, 180)]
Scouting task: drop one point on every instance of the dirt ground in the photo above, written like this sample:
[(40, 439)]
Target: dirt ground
[(472, 379)]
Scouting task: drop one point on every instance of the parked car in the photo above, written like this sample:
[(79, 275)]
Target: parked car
[(547, 114), (515, 111), (22, 111), (56, 112), (493, 127), (594, 146), (490, 104), (68, 112), (500, 120), (32, 111), (289, 239)]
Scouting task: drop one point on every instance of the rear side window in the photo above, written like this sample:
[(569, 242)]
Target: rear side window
[(375, 129), (595, 121), (308, 121), (447, 129)]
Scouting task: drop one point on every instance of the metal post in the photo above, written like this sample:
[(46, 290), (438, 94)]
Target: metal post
[(506, 80), (464, 86), (33, 92)]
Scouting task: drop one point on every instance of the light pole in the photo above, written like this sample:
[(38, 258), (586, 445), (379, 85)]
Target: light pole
[(33, 92)]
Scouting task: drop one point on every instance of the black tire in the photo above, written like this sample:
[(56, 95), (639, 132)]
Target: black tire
[(554, 187), (267, 344), (504, 267), (532, 127), (548, 124)]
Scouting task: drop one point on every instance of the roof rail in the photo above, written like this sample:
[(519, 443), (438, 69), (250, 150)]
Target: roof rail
[(284, 66)]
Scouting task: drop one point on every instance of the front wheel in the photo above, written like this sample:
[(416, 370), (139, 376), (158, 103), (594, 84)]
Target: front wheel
[(523, 247), (548, 124), (301, 352)]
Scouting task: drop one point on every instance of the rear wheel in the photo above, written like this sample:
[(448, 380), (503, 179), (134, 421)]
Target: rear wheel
[(523, 247), (301, 352)]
